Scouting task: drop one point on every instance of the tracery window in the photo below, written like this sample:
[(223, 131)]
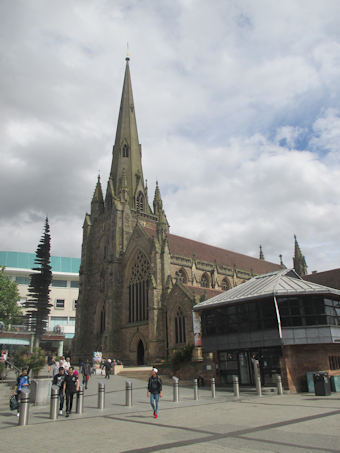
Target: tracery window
[(140, 202), (225, 284), (180, 336), (139, 289), (125, 150), (181, 275), (205, 280)]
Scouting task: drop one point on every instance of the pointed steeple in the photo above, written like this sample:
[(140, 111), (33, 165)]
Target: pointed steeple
[(157, 201), (261, 253), (97, 203), (127, 150), (299, 261), (162, 223)]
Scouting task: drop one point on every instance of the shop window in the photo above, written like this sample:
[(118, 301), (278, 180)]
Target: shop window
[(334, 362), (75, 284)]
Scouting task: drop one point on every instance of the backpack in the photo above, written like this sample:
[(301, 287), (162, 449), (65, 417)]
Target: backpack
[(13, 403)]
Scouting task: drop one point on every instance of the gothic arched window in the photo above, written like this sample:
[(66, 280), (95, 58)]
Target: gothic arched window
[(225, 284), (125, 150), (180, 336), (140, 202), (181, 275), (205, 280), (139, 289)]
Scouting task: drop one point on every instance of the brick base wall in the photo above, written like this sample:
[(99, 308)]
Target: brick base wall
[(298, 359)]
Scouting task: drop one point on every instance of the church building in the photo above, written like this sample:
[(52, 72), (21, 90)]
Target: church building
[(138, 283)]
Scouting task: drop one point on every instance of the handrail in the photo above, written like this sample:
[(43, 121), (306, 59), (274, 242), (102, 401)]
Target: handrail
[(14, 367)]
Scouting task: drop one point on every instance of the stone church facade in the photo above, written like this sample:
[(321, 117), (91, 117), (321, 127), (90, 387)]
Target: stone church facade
[(139, 282)]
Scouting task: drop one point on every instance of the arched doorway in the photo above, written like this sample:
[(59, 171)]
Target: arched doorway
[(140, 353)]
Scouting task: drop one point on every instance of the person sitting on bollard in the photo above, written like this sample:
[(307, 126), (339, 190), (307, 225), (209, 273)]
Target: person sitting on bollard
[(23, 381), (59, 381), (71, 386), (154, 391)]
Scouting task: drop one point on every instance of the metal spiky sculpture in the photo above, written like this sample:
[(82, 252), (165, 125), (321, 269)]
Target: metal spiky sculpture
[(39, 287)]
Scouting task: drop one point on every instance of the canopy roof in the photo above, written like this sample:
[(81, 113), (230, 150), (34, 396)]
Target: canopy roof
[(285, 282)]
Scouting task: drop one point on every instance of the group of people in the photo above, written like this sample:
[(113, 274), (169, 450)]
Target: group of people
[(68, 386), (66, 378)]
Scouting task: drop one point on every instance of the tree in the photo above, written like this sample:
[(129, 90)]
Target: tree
[(10, 313), (39, 288)]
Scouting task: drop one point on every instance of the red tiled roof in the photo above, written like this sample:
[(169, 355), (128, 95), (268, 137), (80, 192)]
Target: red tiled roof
[(199, 291), (187, 248), (329, 278)]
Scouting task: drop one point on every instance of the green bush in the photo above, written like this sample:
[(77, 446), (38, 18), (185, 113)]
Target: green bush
[(35, 360), (181, 356)]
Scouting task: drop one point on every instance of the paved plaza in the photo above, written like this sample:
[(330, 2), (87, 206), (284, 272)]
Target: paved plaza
[(272, 423)]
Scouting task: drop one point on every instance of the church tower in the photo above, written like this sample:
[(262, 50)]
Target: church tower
[(138, 282), (123, 268)]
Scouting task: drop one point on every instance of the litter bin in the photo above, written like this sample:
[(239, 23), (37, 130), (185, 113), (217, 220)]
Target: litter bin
[(322, 384)]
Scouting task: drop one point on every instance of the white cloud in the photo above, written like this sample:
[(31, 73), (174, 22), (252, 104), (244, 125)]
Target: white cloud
[(236, 106)]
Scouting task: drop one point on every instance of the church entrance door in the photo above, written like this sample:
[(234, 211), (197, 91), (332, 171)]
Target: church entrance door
[(140, 353)]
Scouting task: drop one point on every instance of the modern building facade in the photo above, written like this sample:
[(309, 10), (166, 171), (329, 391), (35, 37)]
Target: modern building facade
[(64, 287), (290, 325), (139, 282)]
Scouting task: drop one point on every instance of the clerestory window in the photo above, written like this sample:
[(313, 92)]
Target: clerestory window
[(205, 280)]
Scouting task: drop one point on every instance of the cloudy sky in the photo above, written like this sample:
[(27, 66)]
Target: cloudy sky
[(238, 112)]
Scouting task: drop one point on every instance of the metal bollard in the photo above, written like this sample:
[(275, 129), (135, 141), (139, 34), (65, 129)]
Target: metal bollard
[(258, 386), (236, 386), (175, 389), (279, 385), (213, 388), (80, 400), (54, 402), (101, 395), (24, 407), (196, 395), (128, 393)]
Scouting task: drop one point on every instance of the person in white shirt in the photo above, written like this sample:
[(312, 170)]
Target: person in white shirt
[(67, 364)]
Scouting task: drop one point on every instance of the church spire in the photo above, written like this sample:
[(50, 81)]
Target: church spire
[(261, 253), (299, 261), (127, 155)]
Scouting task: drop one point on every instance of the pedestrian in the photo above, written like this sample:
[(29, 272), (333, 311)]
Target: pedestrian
[(59, 381), (71, 386), (56, 366), (67, 364), (86, 372), (154, 391), (49, 363), (107, 365), (23, 381)]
